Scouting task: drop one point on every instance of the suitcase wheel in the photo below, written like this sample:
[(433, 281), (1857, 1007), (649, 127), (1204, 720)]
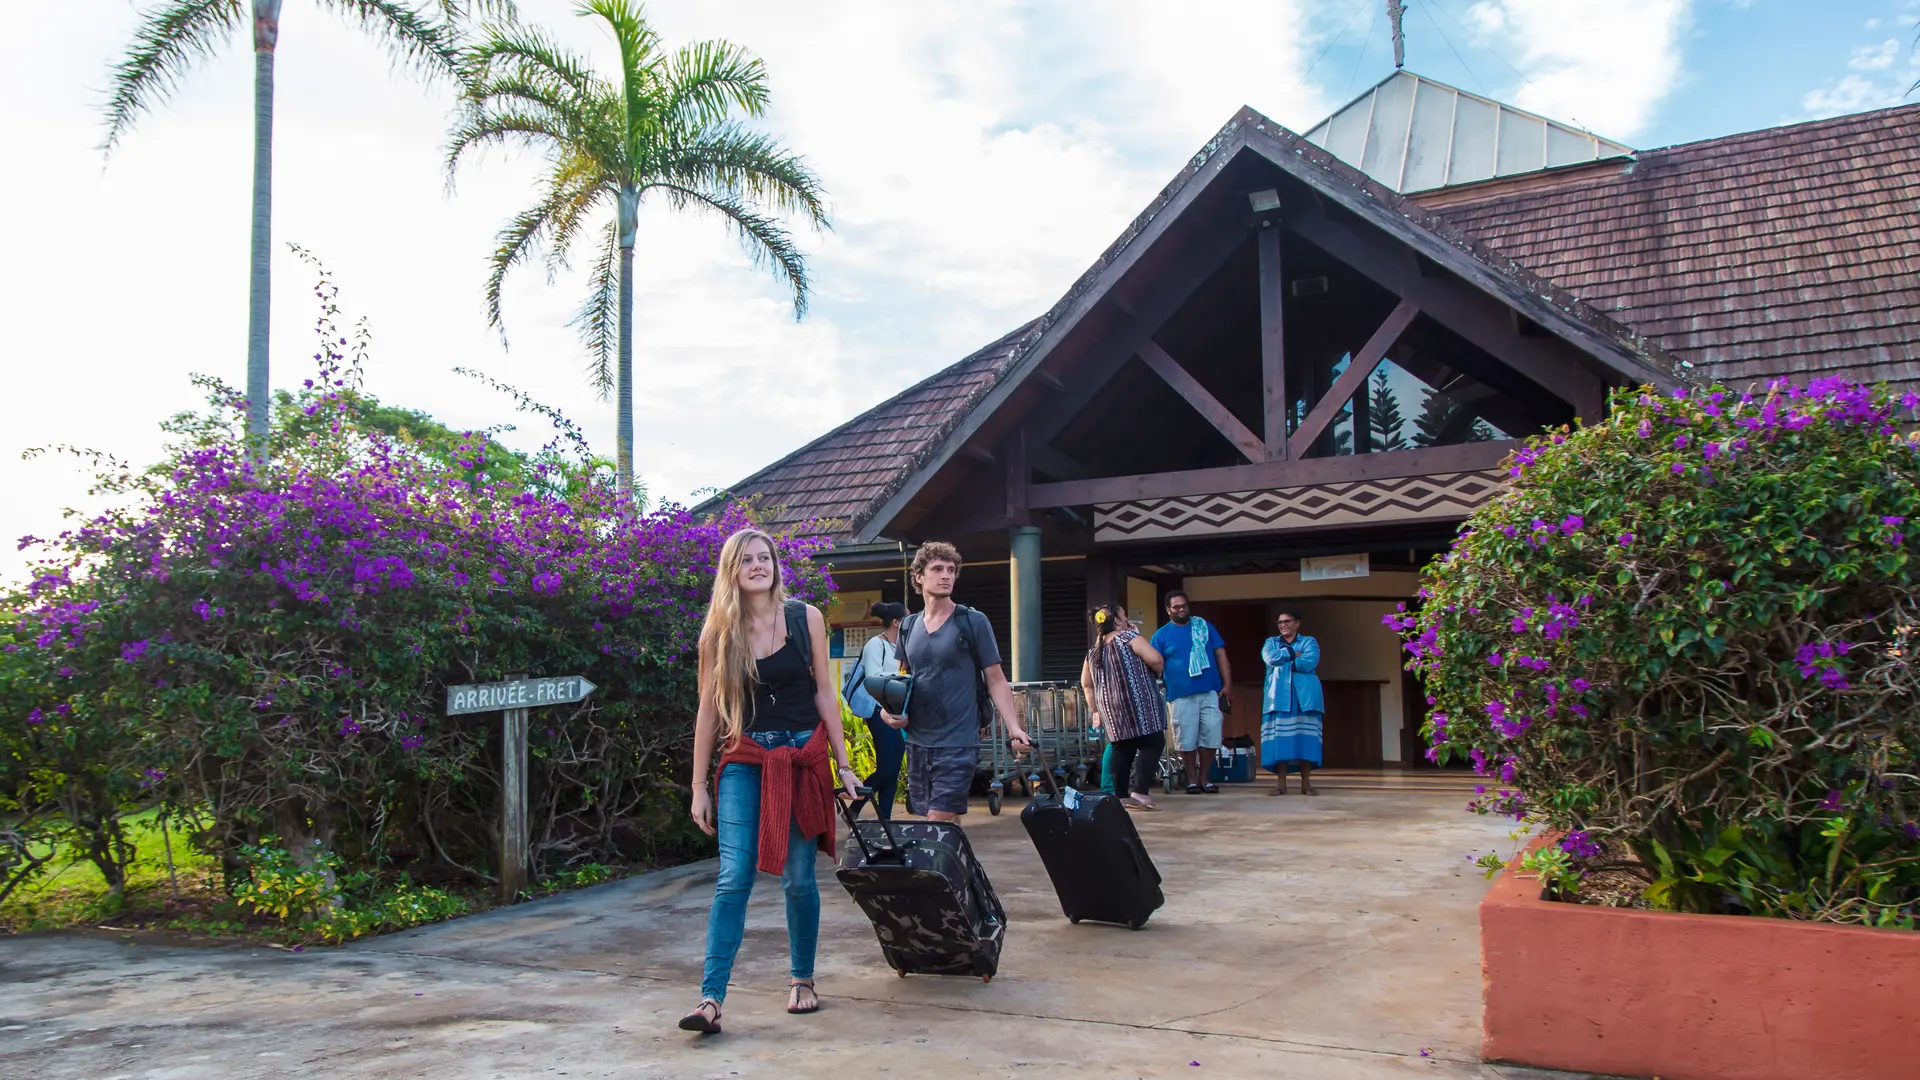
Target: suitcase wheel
[(993, 803), (986, 978), (1074, 919), (1136, 924), (900, 973)]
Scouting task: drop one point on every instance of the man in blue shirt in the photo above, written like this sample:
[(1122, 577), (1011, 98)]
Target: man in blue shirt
[(1198, 681)]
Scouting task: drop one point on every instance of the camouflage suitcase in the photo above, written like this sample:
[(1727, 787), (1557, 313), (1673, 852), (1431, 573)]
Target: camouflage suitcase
[(931, 905)]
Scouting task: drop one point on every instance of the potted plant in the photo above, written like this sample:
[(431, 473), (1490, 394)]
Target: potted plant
[(1680, 642)]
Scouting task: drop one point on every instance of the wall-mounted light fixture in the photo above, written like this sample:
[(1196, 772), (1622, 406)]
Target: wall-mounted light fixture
[(1264, 201)]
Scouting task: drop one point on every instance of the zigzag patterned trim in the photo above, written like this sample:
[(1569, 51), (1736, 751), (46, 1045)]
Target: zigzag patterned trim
[(1439, 497)]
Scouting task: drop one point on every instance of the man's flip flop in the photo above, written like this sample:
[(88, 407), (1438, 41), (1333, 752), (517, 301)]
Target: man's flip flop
[(1193, 789), (1211, 789)]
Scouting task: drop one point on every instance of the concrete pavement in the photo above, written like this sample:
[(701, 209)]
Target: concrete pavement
[(1327, 937)]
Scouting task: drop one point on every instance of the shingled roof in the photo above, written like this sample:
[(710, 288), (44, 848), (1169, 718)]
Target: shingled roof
[(842, 475), (1676, 257), (1791, 251)]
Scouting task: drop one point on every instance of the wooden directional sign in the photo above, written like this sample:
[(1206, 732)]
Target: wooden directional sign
[(517, 694), (511, 699)]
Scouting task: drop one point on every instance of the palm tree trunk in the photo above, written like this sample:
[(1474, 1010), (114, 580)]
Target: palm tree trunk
[(623, 378), (266, 35)]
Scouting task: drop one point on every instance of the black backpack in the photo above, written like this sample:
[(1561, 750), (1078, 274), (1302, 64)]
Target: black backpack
[(802, 635), (982, 700)]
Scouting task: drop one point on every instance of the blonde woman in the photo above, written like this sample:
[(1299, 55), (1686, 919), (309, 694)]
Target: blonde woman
[(767, 702)]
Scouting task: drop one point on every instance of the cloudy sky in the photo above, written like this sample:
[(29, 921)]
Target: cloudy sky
[(977, 155)]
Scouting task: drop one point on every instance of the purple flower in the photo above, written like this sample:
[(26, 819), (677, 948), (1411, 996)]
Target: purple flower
[(132, 651), (1645, 430), (1571, 524), (1625, 539), (1831, 802), (1680, 442), (35, 716), (1892, 521), (1579, 844)]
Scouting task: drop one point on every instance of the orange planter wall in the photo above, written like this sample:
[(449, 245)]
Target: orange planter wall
[(1693, 997)]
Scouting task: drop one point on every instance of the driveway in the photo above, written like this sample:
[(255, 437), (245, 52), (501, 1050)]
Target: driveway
[(1327, 937)]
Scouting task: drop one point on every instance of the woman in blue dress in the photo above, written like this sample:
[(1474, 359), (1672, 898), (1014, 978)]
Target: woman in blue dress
[(1293, 707)]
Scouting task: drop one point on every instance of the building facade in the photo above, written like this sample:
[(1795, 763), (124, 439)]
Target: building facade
[(1302, 366)]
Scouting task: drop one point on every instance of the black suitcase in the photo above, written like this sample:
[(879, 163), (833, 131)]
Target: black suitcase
[(931, 905), (1100, 869)]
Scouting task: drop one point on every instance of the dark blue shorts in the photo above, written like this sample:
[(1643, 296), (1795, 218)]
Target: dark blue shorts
[(940, 777)]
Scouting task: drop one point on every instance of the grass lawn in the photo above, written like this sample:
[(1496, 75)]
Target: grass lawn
[(187, 900), (72, 892)]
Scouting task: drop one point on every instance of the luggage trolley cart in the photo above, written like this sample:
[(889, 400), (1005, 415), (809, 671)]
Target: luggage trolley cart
[(1044, 715)]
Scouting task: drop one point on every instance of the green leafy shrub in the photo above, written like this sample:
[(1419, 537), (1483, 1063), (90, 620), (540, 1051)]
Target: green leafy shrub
[(1684, 635), (316, 894)]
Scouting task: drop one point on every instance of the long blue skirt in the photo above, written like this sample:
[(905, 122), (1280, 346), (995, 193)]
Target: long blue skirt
[(1293, 737)]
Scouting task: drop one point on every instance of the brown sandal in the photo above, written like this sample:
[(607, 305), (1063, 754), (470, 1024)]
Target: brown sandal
[(699, 1021), (793, 997)]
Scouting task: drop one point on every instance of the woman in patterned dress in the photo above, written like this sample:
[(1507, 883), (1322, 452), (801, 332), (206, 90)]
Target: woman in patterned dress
[(1290, 719), (1118, 680)]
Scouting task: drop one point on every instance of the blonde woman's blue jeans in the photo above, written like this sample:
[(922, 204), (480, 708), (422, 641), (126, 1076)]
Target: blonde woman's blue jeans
[(737, 807)]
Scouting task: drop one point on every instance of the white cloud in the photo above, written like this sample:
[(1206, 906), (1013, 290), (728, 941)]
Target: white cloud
[(1605, 66), (1875, 57), (1850, 94), (1871, 24), (978, 156)]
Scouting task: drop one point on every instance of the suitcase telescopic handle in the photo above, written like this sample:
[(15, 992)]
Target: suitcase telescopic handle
[(850, 810), (1040, 759)]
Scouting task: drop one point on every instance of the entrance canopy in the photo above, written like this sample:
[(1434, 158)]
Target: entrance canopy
[(1278, 343)]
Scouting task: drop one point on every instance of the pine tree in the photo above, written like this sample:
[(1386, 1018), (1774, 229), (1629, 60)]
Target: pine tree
[(1383, 415)]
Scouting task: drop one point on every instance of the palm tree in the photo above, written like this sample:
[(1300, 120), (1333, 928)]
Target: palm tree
[(665, 126), (177, 34)]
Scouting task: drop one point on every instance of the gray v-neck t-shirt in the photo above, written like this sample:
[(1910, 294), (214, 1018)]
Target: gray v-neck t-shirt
[(944, 711)]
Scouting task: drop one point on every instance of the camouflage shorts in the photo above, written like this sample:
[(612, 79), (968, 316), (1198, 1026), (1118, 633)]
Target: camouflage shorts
[(940, 777)]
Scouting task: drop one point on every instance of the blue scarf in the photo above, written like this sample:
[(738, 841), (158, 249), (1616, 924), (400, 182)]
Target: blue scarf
[(1198, 656)]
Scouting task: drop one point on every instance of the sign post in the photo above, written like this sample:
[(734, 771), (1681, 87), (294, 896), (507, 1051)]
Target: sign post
[(512, 699)]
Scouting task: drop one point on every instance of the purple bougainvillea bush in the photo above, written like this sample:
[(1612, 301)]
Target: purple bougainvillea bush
[(1683, 637), (269, 646)]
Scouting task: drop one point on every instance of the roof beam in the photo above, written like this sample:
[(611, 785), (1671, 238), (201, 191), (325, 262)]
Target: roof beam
[(1384, 465), (1359, 370), (1273, 343), (1114, 348), (1460, 307), (1204, 403)]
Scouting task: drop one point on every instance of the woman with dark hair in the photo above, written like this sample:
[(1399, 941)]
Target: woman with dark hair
[(1291, 714), (1118, 681), (880, 656)]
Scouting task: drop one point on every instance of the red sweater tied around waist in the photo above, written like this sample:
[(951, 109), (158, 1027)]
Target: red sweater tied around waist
[(792, 785)]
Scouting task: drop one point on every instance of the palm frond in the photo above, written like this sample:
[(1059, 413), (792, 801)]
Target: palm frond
[(706, 81), (414, 40), (598, 319), (524, 54), (169, 41), (765, 242), (529, 231), (731, 160), (460, 11), (556, 134), (641, 63), (589, 188)]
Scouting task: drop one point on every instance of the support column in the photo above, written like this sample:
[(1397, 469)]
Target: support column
[(1024, 578)]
